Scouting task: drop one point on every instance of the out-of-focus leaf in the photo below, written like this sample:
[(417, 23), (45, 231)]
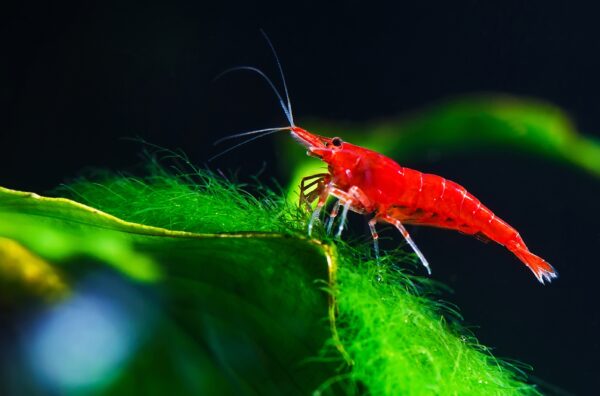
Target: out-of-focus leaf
[(24, 274), (462, 125), (234, 313)]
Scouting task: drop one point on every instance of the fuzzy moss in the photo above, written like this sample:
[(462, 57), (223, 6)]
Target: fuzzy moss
[(405, 342), (400, 340), (196, 202)]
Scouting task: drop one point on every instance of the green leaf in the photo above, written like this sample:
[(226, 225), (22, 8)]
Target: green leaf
[(243, 311)]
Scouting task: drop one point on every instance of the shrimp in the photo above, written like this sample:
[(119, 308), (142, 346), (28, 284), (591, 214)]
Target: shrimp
[(367, 182)]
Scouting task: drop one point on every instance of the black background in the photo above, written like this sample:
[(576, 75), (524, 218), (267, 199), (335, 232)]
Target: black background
[(76, 80)]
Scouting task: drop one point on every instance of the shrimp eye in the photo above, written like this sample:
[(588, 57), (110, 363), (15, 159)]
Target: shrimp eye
[(336, 141)]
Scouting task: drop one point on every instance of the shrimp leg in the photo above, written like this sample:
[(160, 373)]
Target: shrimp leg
[(354, 199), (396, 223), (375, 236), (343, 219), (332, 216), (315, 214), (321, 191), (322, 179)]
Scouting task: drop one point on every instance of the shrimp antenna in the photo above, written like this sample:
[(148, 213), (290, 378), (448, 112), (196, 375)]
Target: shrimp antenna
[(267, 132), (285, 88), (285, 109), (237, 135)]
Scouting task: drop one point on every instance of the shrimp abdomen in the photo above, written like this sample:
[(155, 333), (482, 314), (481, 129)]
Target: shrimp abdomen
[(443, 203)]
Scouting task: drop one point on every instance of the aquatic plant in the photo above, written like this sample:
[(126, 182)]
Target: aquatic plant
[(225, 293)]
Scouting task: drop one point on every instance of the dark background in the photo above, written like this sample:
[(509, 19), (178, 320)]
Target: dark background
[(76, 80)]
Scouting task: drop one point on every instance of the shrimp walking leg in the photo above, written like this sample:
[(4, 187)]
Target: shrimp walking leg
[(358, 200), (315, 214), (375, 236), (321, 182), (408, 239), (343, 219), (355, 199), (321, 191), (332, 216)]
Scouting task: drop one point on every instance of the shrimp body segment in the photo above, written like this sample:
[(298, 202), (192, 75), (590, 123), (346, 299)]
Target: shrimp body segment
[(367, 182)]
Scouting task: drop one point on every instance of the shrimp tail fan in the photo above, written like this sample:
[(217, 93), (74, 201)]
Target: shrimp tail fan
[(542, 270)]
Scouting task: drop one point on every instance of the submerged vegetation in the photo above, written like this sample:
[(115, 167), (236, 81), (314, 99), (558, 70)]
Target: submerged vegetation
[(243, 298)]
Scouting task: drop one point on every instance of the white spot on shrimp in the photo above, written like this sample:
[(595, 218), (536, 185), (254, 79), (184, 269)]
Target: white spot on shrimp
[(443, 188), (464, 194), (348, 173)]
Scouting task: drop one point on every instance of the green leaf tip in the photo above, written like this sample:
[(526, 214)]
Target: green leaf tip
[(60, 229)]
